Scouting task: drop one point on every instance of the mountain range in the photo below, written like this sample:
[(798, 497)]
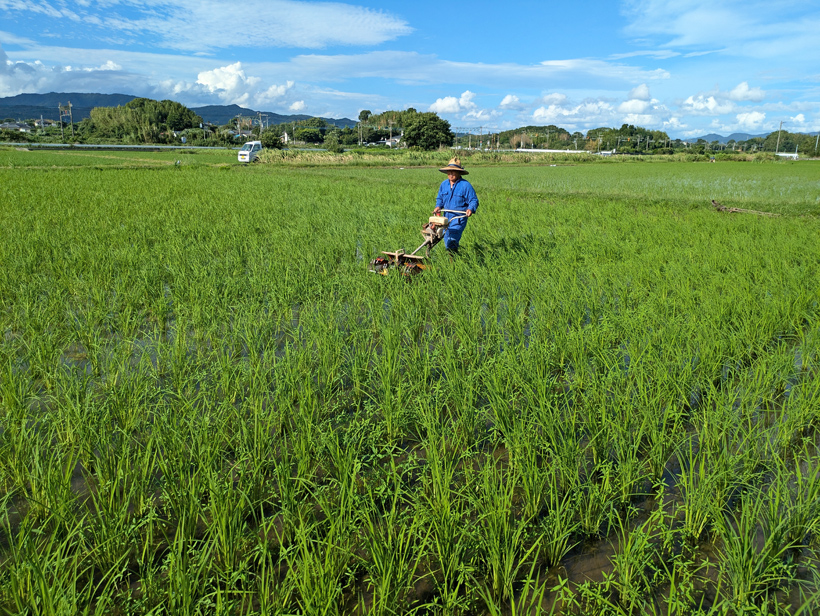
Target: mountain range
[(32, 106), (733, 137)]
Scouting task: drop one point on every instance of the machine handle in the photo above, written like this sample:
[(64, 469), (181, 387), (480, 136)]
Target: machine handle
[(455, 212)]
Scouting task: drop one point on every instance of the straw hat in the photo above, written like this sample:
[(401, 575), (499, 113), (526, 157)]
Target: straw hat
[(454, 165)]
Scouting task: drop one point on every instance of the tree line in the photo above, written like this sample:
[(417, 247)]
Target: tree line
[(422, 130), (147, 121)]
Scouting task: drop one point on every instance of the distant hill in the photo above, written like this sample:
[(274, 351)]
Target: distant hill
[(32, 106), (78, 99), (734, 136), (28, 106), (222, 114), (741, 136)]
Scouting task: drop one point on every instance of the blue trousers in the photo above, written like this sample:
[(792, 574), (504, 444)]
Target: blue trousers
[(452, 236)]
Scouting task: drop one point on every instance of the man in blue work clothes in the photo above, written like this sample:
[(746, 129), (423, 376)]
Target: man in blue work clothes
[(455, 193)]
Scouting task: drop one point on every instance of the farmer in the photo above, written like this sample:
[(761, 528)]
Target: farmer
[(455, 193)]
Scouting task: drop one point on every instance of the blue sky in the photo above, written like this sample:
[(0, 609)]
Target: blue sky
[(688, 67)]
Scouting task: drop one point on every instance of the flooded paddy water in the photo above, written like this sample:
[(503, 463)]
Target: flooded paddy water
[(609, 405)]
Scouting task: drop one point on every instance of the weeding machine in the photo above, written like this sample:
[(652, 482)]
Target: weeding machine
[(409, 264)]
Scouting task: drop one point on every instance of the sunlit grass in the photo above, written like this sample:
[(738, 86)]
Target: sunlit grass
[(207, 405)]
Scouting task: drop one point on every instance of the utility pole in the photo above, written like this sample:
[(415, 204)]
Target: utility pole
[(65, 111), (777, 147), (816, 141)]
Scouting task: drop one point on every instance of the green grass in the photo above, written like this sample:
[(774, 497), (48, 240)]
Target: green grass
[(208, 405), (44, 158)]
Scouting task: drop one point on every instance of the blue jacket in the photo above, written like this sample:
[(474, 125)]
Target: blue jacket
[(461, 196)]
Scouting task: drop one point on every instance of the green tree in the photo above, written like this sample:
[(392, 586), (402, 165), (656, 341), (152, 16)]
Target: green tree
[(332, 144), (348, 136), (271, 137), (313, 123), (427, 131), (142, 120), (308, 135), (549, 136)]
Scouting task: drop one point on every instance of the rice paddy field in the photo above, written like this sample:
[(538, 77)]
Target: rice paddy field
[(607, 403)]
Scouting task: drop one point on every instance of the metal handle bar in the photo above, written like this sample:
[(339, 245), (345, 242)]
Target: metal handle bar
[(455, 212)]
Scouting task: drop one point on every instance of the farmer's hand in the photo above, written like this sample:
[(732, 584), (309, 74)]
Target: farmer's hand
[(469, 213), (437, 211)]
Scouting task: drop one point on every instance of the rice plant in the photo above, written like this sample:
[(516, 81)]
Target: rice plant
[(208, 405)]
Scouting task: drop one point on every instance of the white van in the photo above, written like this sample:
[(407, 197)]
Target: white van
[(250, 151)]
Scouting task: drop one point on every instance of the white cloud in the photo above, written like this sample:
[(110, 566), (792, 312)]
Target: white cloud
[(673, 123), (798, 119), (169, 87), (274, 92), (742, 92), (697, 54), (466, 100), (633, 106), (194, 25), (693, 22), (42, 8), (750, 28), (393, 66), (448, 104), (482, 115), (108, 66), (639, 119), (706, 105), (552, 99), (414, 68), (588, 113), (659, 54), (233, 85), (640, 93), (17, 77), (297, 106), (451, 104), (751, 120), (601, 69), (229, 83), (593, 113), (510, 102)]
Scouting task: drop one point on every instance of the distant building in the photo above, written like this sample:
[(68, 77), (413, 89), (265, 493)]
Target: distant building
[(20, 127), (242, 134)]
